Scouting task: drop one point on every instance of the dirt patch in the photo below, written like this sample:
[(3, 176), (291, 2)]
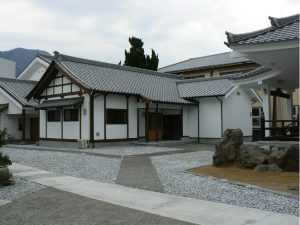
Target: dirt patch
[(279, 181)]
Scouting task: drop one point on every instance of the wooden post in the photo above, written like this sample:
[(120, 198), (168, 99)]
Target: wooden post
[(156, 123), (105, 116), (262, 126), (92, 120), (147, 122), (127, 112), (23, 124)]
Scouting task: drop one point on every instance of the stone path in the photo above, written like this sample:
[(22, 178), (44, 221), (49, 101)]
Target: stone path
[(138, 171), (159, 204)]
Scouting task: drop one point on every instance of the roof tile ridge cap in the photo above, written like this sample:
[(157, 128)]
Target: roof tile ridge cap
[(276, 21), (114, 66), (206, 79)]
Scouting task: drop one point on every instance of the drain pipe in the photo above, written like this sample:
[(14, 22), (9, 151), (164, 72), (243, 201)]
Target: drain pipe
[(221, 115)]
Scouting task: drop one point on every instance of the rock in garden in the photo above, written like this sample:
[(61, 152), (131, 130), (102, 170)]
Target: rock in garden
[(250, 156), (5, 175), (289, 160), (268, 168), (275, 156), (227, 148)]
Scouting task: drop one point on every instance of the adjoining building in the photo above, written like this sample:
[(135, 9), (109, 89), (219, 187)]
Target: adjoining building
[(88, 100), (276, 49), (7, 68)]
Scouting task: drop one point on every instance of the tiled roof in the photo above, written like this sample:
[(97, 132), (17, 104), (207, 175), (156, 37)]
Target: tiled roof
[(60, 103), (205, 87), (104, 77), (252, 73), (18, 89), (205, 62), (47, 58), (281, 29)]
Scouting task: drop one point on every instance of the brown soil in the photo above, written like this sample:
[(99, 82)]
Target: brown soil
[(279, 181)]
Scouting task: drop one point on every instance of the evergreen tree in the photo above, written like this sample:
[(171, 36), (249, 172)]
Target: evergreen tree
[(136, 56)]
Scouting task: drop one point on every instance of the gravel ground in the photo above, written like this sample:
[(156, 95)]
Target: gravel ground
[(170, 169), (20, 188), (82, 166)]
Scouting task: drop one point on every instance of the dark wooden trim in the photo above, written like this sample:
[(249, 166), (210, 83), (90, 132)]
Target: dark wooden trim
[(92, 120), (278, 93), (198, 123), (23, 124), (105, 116), (58, 139), (46, 123), (156, 123), (147, 122), (62, 94), (127, 112), (58, 85), (62, 84), (138, 123), (115, 140), (181, 114), (62, 123), (80, 109)]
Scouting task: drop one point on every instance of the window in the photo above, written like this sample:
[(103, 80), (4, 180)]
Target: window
[(255, 111), (53, 116), (116, 116), (71, 115)]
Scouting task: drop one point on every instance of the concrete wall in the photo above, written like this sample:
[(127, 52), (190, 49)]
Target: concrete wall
[(236, 112), (7, 68)]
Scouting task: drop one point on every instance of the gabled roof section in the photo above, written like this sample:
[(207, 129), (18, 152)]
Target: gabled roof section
[(217, 60), (206, 87), (18, 89), (116, 79), (281, 29), (252, 73), (47, 58)]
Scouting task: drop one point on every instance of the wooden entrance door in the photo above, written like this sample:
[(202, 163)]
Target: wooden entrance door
[(172, 127), (34, 129), (154, 126)]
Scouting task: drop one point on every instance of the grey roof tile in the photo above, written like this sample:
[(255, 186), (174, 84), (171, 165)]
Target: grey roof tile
[(282, 29), (60, 103), (205, 62), (205, 87), (104, 77), (18, 89)]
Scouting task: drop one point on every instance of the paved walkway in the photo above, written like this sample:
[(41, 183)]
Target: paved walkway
[(138, 172), (178, 208)]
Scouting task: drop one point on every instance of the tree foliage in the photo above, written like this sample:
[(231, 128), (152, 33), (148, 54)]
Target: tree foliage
[(136, 56)]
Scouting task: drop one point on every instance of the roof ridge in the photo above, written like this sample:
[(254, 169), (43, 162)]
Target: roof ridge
[(275, 24), (17, 80), (61, 57), (223, 77)]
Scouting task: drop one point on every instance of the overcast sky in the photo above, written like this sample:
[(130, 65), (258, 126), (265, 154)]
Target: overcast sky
[(99, 30)]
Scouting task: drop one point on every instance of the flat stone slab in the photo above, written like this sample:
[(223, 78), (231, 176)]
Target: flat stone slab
[(179, 208)]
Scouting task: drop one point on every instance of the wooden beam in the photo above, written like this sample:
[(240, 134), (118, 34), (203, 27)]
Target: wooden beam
[(92, 120), (278, 93)]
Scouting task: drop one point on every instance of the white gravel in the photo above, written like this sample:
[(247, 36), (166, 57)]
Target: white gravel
[(96, 168), (19, 189), (170, 169)]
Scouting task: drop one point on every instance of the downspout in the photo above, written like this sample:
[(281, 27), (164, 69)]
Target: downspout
[(221, 115)]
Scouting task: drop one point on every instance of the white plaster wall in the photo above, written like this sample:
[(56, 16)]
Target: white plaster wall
[(14, 107), (236, 112), (116, 131), (42, 123), (7, 68), (99, 117), (132, 112), (11, 123), (53, 129), (71, 130), (210, 118), (192, 129), (116, 102)]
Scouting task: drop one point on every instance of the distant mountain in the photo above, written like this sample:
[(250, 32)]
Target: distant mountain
[(21, 56)]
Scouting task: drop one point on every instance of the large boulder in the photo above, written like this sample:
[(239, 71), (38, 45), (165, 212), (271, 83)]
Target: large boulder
[(250, 156), (289, 159), (227, 149)]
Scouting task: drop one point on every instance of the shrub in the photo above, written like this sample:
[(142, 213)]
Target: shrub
[(4, 160), (2, 137)]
